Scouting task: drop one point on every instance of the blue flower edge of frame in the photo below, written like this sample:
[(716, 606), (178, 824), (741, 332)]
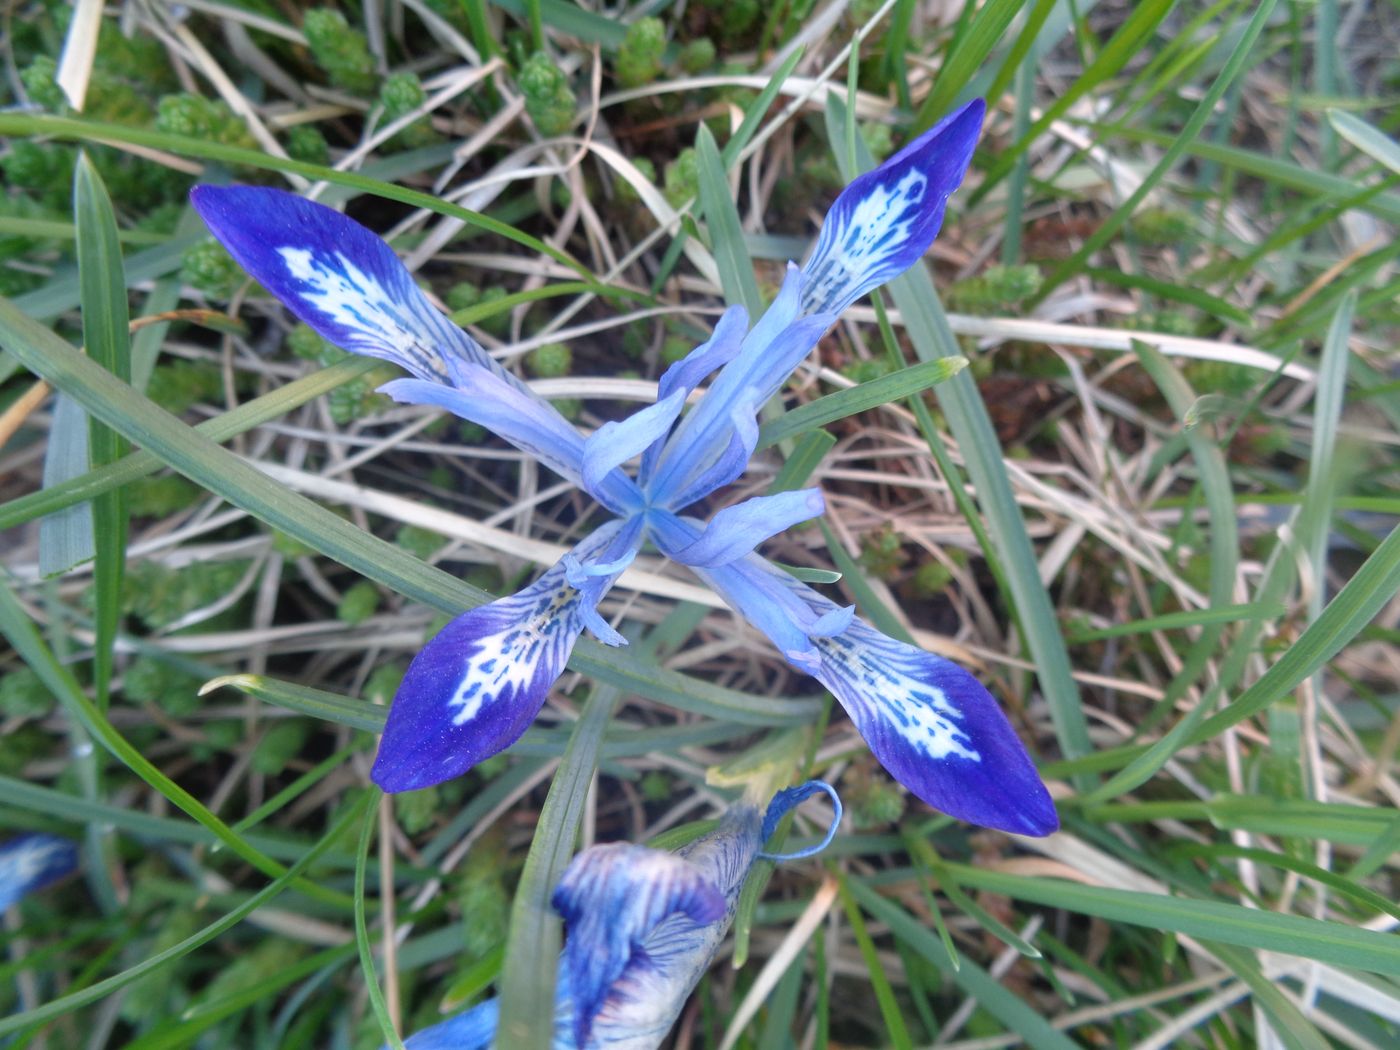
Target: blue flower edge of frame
[(31, 862), (642, 926)]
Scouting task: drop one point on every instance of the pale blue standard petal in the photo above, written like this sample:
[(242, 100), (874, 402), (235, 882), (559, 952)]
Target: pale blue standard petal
[(31, 862), (476, 687), (338, 277), (884, 221), (776, 345), (737, 530)]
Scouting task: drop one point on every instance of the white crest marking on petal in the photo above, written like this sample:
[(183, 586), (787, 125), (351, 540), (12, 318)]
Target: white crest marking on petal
[(876, 228), (921, 713), (396, 324), (508, 661)]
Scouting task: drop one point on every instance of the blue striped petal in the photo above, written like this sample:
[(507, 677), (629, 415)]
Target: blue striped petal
[(476, 687), (884, 221), (31, 862), (737, 530), (930, 723), (612, 898), (339, 278)]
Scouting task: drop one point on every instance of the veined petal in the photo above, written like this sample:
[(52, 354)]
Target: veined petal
[(615, 442), (491, 402), (930, 723), (612, 897), (737, 530), (31, 862), (734, 460), (687, 373), (339, 278), (775, 346), (474, 1029), (884, 221), (937, 730), (476, 687)]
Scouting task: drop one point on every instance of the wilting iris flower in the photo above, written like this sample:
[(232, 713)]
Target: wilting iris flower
[(479, 683), (31, 862), (642, 927)]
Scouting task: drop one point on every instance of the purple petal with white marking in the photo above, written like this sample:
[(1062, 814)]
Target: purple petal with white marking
[(930, 723), (339, 278), (884, 221), (476, 687), (737, 530), (31, 862), (612, 898), (937, 730)]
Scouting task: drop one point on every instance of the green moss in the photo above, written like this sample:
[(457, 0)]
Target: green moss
[(682, 178), (550, 361), (340, 50), (24, 695), (639, 55), (306, 143), (383, 683), (420, 542), (41, 86), (159, 595), (152, 681), (358, 603), (882, 552), (999, 288), (210, 120), (462, 296), (549, 100), (697, 55), (415, 810), (178, 385), (161, 495), (400, 95), (864, 370), (281, 743), (207, 266)]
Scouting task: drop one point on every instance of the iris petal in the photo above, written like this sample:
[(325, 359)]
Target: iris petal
[(339, 278), (615, 442), (612, 897), (31, 862), (476, 687), (930, 723), (775, 346), (737, 530), (884, 221)]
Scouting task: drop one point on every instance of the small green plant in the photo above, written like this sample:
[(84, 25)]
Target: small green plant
[(340, 50), (639, 56), (549, 100)]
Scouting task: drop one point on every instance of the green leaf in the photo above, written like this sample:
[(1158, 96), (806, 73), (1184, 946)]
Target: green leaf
[(532, 948), (904, 383), (726, 233), (884, 994), (1369, 139), (967, 55), (1330, 942), (106, 319)]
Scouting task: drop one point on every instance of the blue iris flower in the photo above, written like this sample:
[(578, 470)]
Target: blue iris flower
[(642, 926), (31, 862), (475, 688)]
